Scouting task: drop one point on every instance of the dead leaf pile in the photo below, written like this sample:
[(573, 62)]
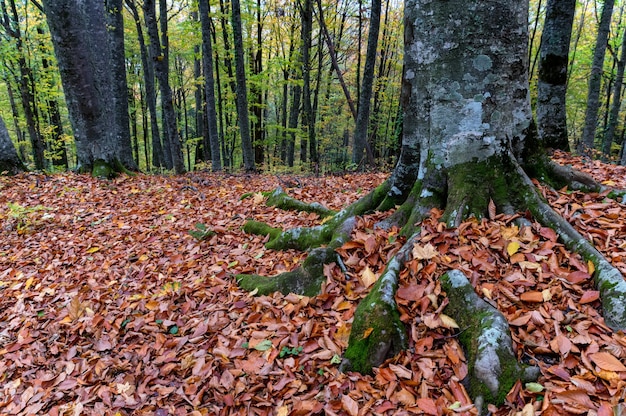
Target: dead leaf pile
[(109, 307)]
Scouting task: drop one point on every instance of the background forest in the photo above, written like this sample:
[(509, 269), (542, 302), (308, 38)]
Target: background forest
[(302, 114)]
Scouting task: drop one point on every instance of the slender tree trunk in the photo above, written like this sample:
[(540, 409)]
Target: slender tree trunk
[(363, 114), (198, 94), (617, 101), (158, 54), (10, 22), (552, 85), (333, 57), (533, 34), (158, 159), (115, 31), (306, 12), (242, 94), (294, 113), (586, 143), (207, 64), (256, 91)]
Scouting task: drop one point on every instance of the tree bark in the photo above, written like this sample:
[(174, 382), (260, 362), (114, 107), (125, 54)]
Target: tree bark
[(552, 85), (10, 163), (586, 144), (148, 79), (10, 22), (158, 54), (609, 135), (209, 83), (242, 93), (468, 143), (306, 13), (86, 62), (363, 114)]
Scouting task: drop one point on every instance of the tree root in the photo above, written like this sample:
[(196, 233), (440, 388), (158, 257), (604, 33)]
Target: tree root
[(307, 278), (377, 332), (609, 281), (493, 367), (279, 199)]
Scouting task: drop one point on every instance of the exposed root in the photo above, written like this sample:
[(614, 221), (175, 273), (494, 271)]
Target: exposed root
[(280, 199), (575, 179), (307, 279), (377, 332), (493, 367), (609, 281)]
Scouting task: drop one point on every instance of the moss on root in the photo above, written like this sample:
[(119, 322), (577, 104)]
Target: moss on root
[(305, 280), (472, 185), (492, 364), (377, 332), (280, 199)]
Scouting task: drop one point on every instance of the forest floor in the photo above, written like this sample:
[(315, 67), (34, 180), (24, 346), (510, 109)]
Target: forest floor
[(108, 306)]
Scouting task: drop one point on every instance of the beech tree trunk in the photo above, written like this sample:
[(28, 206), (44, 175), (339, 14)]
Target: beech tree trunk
[(469, 143), (10, 163), (363, 114), (87, 57), (209, 83), (586, 143), (242, 94), (552, 85)]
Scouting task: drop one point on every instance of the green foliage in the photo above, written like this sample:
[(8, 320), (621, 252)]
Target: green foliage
[(201, 232), (286, 351), (22, 217)]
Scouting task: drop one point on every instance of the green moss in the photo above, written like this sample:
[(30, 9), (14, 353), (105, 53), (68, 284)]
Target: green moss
[(281, 200), (102, 169), (306, 280), (260, 228), (377, 333), (472, 185)]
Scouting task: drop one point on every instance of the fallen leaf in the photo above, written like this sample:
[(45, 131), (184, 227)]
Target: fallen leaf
[(606, 361)]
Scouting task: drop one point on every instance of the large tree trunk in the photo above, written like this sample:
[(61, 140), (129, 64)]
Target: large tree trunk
[(586, 143), (552, 85), (79, 32), (468, 142), (10, 163)]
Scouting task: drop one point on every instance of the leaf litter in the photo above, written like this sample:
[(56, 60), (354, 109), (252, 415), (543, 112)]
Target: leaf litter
[(109, 306)]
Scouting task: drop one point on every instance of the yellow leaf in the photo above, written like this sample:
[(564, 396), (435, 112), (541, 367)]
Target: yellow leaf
[(367, 332), (487, 292), (546, 294), (136, 296), (590, 267), (368, 277), (424, 253), (92, 250), (608, 183), (282, 411), (512, 247), (509, 232), (258, 198), (528, 410), (448, 322), (29, 282)]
